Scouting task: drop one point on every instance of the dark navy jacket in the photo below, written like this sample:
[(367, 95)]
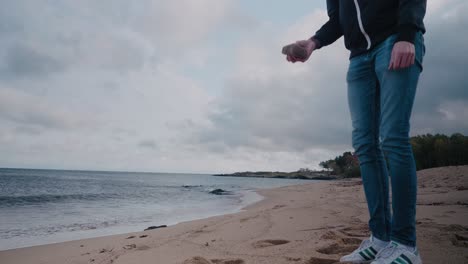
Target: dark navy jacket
[(366, 23)]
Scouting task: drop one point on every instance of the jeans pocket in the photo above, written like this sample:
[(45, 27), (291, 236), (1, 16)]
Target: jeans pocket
[(420, 49)]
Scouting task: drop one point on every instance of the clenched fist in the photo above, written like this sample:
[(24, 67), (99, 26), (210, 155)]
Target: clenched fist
[(309, 45)]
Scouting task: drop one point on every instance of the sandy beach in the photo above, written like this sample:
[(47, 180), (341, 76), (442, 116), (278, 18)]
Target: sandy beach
[(311, 223)]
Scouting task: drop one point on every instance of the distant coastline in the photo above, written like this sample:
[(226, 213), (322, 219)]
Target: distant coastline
[(302, 174)]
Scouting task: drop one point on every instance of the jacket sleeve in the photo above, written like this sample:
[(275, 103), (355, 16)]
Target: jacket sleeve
[(410, 18), (330, 31)]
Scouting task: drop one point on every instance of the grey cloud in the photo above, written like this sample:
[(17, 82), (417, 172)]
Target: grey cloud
[(110, 51), (33, 113), (161, 21), (238, 19), (28, 130), (42, 38), (148, 144), (274, 116), (117, 36), (309, 110), (443, 81), (22, 61), (120, 59)]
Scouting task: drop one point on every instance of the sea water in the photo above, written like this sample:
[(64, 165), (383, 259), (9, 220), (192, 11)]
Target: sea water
[(47, 206)]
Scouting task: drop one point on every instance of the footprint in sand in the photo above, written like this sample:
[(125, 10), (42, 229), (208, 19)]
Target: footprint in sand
[(356, 231), (278, 206), (269, 243), (336, 248), (201, 260), (143, 247), (228, 261), (351, 241), (197, 260), (320, 261), (248, 218), (454, 228), (293, 259), (131, 246), (459, 240), (329, 235)]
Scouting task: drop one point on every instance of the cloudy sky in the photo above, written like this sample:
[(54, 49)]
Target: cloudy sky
[(194, 85)]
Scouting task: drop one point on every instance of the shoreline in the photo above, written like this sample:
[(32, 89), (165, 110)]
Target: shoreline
[(262, 194), (310, 223), (247, 198)]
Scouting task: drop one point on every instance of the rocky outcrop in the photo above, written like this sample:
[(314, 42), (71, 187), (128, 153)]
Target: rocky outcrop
[(155, 227), (220, 192)]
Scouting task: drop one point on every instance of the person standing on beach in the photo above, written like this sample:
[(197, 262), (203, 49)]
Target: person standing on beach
[(385, 38)]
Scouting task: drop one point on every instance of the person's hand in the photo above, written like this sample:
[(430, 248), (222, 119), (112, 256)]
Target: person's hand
[(403, 55), (309, 45)]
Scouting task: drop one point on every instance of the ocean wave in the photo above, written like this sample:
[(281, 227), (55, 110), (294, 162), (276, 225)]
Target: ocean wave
[(24, 200), (52, 198), (191, 186), (49, 230)]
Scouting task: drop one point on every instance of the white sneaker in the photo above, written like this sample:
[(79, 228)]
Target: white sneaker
[(395, 253), (365, 253)]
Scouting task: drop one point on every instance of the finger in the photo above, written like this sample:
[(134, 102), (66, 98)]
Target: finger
[(405, 60), (398, 60), (391, 64), (409, 61), (413, 59), (395, 65)]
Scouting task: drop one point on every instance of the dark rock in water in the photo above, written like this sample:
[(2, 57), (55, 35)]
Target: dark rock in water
[(155, 227), (220, 192), (191, 186)]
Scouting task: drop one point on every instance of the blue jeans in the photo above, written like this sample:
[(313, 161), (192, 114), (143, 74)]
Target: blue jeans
[(380, 102)]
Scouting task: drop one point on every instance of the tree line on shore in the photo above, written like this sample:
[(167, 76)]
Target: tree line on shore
[(429, 150)]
